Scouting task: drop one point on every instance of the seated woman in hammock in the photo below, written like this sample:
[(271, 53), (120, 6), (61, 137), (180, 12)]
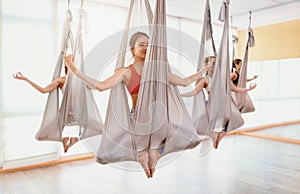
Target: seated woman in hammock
[(58, 82), (204, 82), (237, 65), (131, 77), (209, 62)]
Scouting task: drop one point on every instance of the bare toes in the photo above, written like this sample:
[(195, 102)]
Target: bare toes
[(72, 141), (143, 160), (64, 142), (154, 156)]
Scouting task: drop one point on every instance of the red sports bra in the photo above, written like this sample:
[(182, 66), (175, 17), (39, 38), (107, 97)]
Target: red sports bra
[(134, 85)]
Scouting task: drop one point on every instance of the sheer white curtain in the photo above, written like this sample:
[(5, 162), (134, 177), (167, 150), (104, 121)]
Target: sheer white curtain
[(25, 47), (30, 40)]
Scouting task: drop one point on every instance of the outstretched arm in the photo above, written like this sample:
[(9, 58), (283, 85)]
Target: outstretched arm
[(110, 82), (200, 85), (178, 81), (49, 88), (241, 90), (254, 77)]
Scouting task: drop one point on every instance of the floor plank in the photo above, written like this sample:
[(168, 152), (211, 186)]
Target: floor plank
[(241, 165), (289, 131)]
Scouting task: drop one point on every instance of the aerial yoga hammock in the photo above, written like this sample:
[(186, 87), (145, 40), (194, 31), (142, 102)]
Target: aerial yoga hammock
[(160, 119), (117, 142), (243, 100), (200, 116), (160, 123), (224, 115), (78, 107), (219, 115)]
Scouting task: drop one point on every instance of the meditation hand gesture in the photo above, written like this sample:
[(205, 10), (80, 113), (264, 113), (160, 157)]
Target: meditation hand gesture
[(69, 61), (19, 76), (252, 86)]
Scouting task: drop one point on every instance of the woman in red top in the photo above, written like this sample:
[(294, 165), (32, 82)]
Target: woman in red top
[(131, 77)]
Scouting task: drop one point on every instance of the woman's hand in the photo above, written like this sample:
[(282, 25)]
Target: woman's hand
[(252, 86), (206, 62), (19, 76), (69, 62)]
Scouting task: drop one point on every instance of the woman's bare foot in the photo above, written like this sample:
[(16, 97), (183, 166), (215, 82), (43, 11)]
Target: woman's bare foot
[(215, 136), (220, 137), (143, 160), (64, 142), (154, 156), (72, 141)]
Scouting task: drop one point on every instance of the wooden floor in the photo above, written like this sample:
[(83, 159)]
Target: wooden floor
[(241, 165)]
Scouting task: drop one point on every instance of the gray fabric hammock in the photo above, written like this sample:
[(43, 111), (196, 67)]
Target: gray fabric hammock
[(167, 119), (78, 107), (200, 116), (84, 106), (160, 119), (243, 100), (223, 114), (219, 112), (117, 142)]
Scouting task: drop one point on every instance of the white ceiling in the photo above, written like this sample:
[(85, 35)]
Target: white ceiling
[(264, 12)]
